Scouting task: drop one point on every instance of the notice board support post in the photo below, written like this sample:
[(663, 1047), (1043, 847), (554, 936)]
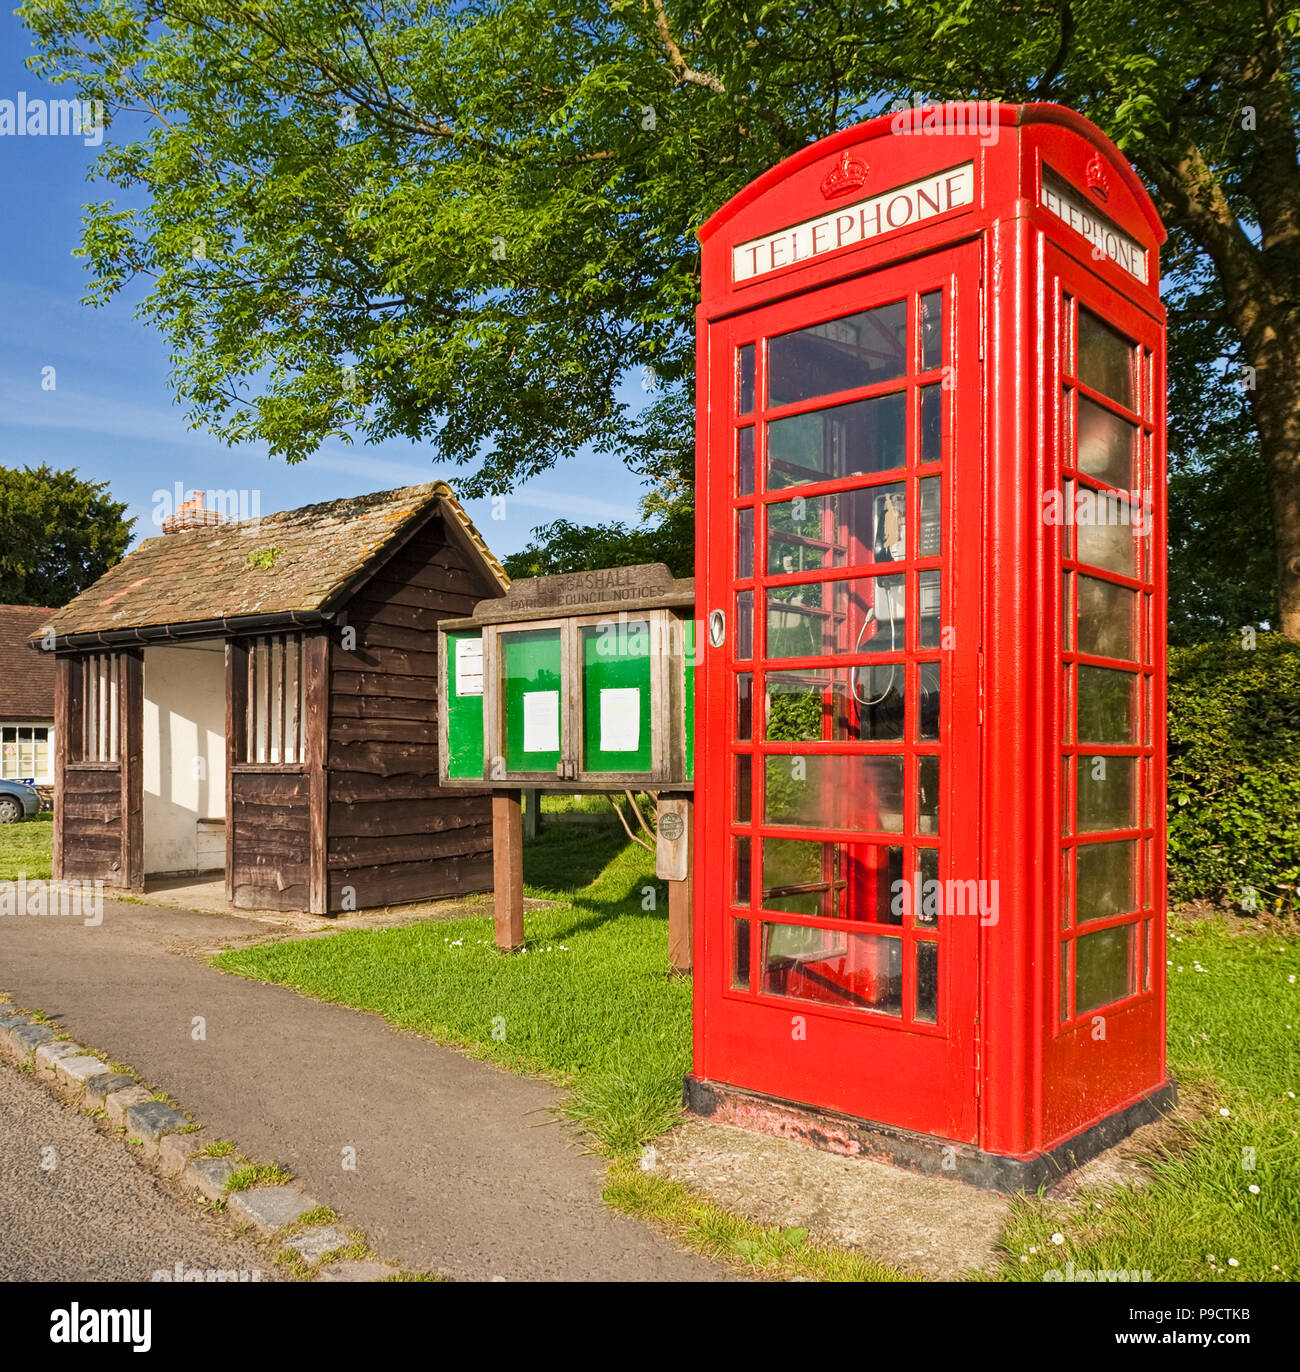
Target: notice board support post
[(508, 869), (675, 864)]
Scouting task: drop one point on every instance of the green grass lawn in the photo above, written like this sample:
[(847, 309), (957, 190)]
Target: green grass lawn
[(590, 1004), (1234, 1026), (25, 848)]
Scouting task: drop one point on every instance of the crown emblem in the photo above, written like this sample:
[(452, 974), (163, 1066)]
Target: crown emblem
[(1097, 180), (847, 176)]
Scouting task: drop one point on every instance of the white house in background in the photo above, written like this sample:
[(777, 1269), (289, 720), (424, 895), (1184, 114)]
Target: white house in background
[(26, 697)]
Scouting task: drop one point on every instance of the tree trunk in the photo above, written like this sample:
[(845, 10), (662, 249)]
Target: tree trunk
[(1259, 300), (1276, 405)]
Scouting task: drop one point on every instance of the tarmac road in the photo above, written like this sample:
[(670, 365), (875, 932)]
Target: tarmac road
[(92, 1212), (447, 1164)]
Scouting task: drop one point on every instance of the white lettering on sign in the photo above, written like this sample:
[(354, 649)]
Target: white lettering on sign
[(882, 214), (469, 666), (1106, 239)]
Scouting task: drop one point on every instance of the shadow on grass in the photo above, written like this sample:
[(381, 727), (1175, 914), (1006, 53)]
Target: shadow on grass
[(567, 857)]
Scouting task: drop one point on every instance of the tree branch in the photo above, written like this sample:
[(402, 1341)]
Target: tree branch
[(686, 75)]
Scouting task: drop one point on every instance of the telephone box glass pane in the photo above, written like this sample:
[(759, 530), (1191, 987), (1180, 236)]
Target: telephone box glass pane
[(744, 625), (931, 398), (744, 786), (854, 881), (1106, 794), (1103, 968), (931, 610), (531, 681), (1105, 877), (931, 330), (1105, 618), (927, 982), (616, 697), (850, 528), (1106, 705), (740, 872), (1105, 445), (930, 534), (745, 379), (827, 618), (744, 706), (858, 439), (927, 795), (833, 967), (1105, 359), (1105, 529), (928, 709), (857, 350), (745, 543), (740, 954), (925, 882), (822, 791), (745, 461), (838, 705)]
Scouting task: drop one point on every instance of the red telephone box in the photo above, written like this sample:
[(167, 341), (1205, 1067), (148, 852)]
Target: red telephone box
[(930, 723)]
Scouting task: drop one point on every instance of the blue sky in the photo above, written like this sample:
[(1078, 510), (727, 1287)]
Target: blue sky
[(111, 415)]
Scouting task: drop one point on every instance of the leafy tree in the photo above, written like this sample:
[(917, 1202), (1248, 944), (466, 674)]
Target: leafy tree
[(465, 222), (1222, 572), (57, 534), (662, 451)]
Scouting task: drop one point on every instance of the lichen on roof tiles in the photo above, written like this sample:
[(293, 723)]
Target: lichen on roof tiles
[(205, 573)]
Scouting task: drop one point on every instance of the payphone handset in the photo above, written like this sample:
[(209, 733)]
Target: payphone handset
[(885, 614)]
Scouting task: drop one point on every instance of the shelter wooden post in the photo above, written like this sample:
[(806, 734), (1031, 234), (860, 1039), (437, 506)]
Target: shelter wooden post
[(236, 731), (316, 703), (64, 691), (131, 744), (508, 869)]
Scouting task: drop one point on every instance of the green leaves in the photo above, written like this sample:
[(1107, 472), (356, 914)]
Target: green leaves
[(57, 534), (1234, 773)]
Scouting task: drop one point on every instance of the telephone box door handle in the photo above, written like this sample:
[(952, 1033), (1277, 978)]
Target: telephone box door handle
[(717, 628)]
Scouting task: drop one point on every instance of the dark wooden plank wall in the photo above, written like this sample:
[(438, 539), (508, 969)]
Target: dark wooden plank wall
[(91, 838), (269, 840), (393, 834)]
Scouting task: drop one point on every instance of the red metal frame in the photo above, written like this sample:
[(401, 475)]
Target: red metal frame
[(999, 1069)]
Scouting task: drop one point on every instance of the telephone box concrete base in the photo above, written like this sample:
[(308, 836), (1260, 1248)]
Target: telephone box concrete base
[(857, 1138)]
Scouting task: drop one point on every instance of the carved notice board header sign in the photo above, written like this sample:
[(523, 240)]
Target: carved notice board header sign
[(642, 586)]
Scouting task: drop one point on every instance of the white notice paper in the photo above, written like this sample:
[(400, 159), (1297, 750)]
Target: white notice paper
[(620, 720), (541, 721), (469, 666)]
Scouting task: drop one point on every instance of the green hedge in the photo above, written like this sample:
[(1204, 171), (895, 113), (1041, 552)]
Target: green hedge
[(1234, 772)]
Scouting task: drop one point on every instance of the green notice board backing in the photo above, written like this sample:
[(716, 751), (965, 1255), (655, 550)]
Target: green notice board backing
[(616, 697), (465, 706), (531, 664)]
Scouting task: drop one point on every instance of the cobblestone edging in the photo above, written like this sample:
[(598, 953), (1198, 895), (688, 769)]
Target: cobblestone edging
[(307, 1239)]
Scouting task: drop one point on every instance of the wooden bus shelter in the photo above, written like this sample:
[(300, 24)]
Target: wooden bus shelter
[(260, 698)]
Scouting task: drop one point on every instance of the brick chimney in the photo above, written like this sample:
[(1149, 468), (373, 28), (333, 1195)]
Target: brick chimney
[(191, 515)]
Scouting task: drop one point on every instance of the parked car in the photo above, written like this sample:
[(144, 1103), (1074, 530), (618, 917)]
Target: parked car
[(18, 800)]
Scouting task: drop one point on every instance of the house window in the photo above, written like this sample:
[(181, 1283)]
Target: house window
[(274, 727), (99, 708), (25, 752)]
